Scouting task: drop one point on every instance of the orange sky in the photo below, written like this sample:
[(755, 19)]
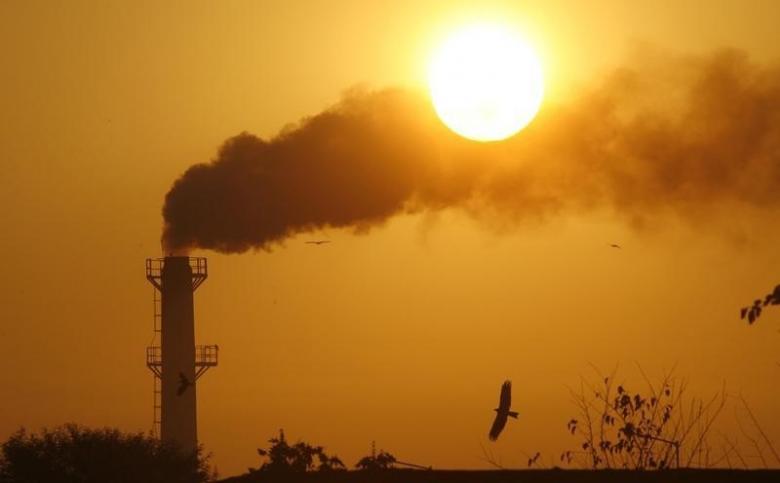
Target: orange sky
[(401, 335)]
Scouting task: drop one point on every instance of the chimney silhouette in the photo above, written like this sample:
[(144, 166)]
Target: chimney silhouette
[(177, 363)]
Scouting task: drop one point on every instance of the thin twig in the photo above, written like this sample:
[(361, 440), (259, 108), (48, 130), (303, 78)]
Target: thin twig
[(488, 458), (759, 428), (752, 440), (736, 452), (705, 423)]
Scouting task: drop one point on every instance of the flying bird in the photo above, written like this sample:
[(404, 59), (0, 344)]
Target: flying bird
[(317, 242), (502, 411), (615, 245), (184, 383)]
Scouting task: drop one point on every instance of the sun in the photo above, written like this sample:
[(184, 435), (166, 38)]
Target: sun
[(486, 82)]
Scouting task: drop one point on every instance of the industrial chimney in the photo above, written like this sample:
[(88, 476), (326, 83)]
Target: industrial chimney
[(177, 363)]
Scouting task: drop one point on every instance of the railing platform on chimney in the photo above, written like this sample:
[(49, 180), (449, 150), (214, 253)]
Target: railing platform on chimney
[(206, 357), (199, 266)]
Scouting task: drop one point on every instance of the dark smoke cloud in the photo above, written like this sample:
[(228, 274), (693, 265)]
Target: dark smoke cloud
[(669, 134)]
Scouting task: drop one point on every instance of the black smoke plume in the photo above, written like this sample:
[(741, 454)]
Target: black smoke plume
[(669, 134)]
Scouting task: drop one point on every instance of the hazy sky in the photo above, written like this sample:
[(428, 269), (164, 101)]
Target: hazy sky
[(401, 335)]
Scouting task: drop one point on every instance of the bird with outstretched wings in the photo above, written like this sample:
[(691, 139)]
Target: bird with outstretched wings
[(317, 242), (502, 411)]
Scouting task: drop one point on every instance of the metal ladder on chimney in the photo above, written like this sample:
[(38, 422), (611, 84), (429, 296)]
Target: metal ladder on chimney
[(157, 403)]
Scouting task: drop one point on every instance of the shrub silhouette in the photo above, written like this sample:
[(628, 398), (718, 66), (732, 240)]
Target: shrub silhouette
[(376, 462), (72, 453), (297, 458)]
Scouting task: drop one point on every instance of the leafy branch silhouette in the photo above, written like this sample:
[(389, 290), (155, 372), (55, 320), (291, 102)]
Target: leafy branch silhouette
[(753, 312)]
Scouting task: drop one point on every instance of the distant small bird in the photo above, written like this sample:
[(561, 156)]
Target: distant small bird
[(502, 411), (317, 242), (184, 383), (615, 245)]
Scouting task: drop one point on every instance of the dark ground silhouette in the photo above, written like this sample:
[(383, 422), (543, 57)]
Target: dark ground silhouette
[(519, 476)]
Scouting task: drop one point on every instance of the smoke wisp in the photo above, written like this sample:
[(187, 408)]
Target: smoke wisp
[(670, 134)]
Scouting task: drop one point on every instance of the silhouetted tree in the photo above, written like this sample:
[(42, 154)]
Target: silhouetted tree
[(376, 461), (297, 458), (752, 312), (618, 428), (75, 454)]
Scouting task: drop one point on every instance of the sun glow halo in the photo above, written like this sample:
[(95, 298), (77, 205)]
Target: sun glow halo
[(486, 82)]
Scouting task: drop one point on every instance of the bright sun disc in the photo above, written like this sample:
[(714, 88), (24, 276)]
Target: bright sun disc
[(486, 83)]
